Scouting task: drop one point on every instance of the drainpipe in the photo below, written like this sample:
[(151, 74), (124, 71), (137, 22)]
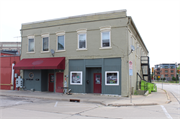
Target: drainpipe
[(12, 77)]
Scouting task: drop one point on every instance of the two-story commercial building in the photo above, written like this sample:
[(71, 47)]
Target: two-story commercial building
[(87, 53)]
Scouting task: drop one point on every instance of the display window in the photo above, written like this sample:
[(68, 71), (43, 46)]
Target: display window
[(112, 78), (76, 77)]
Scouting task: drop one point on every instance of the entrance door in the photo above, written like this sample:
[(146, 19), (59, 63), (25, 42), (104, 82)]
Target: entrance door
[(59, 82), (97, 82), (51, 82)]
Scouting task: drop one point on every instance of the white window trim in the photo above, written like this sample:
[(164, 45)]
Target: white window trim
[(71, 78), (30, 37), (62, 33), (105, 29), (43, 36), (117, 78), (81, 31)]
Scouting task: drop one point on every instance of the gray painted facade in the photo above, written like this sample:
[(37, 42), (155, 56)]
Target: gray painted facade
[(93, 58), (91, 66)]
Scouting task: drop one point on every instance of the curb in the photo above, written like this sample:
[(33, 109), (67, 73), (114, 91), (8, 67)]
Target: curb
[(138, 104), (167, 94), (82, 100)]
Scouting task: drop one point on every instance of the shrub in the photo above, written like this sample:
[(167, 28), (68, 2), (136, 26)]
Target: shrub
[(173, 78)]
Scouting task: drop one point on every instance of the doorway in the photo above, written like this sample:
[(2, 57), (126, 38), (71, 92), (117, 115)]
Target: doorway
[(59, 82), (51, 82), (93, 80), (97, 82)]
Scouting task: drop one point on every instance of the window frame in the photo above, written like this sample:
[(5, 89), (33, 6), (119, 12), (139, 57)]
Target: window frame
[(30, 37), (81, 81), (106, 72), (81, 31), (62, 33), (105, 29), (165, 67), (44, 36)]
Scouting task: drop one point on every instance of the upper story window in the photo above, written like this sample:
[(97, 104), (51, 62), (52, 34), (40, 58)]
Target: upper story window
[(31, 44), (166, 71), (166, 67), (60, 41), (172, 67), (45, 42), (172, 71), (105, 37), (82, 39)]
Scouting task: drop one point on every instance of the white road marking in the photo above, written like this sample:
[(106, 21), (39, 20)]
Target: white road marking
[(166, 113), (56, 104)]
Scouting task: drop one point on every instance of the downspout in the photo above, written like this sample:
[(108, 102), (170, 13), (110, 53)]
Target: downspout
[(128, 61), (12, 77)]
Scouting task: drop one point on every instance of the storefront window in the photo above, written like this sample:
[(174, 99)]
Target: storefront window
[(112, 78), (76, 77)]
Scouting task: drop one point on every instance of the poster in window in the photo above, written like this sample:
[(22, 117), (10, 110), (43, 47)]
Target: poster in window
[(52, 79), (76, 77), (98, 81), (112, 78)]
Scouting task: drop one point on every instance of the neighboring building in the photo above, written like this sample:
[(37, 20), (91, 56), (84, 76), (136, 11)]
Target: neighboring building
[(88, 53), (8, 59), (168, 70), (10, 46)]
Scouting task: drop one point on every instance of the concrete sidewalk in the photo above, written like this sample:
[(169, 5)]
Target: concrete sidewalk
[(155, 98)]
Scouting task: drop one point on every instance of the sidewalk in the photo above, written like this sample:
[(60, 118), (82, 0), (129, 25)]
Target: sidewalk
[(155, 98)]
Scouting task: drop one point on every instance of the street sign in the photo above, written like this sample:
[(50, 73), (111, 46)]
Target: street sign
[(162, 76), (158, 76), (130, 72), (130, 68), (130, 65)]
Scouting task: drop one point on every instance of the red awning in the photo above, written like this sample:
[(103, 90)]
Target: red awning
[(41, 63)]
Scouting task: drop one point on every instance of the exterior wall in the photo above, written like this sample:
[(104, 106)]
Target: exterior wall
[(6, 71), (42, 75), (118, 44), (106, 64), (135, 56), (32, 84)]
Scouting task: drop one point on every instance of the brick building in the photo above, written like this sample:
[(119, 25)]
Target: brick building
[(10, 46), (166, 69)]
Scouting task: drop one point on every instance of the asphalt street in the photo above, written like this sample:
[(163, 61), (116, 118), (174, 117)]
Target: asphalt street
[(33, 108), (172, 88)]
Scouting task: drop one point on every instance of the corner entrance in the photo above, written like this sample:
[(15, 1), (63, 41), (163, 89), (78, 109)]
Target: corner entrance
[(51, 82), (93, 80)]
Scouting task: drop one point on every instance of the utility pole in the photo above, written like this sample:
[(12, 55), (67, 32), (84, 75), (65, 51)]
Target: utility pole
[(176, 71)]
